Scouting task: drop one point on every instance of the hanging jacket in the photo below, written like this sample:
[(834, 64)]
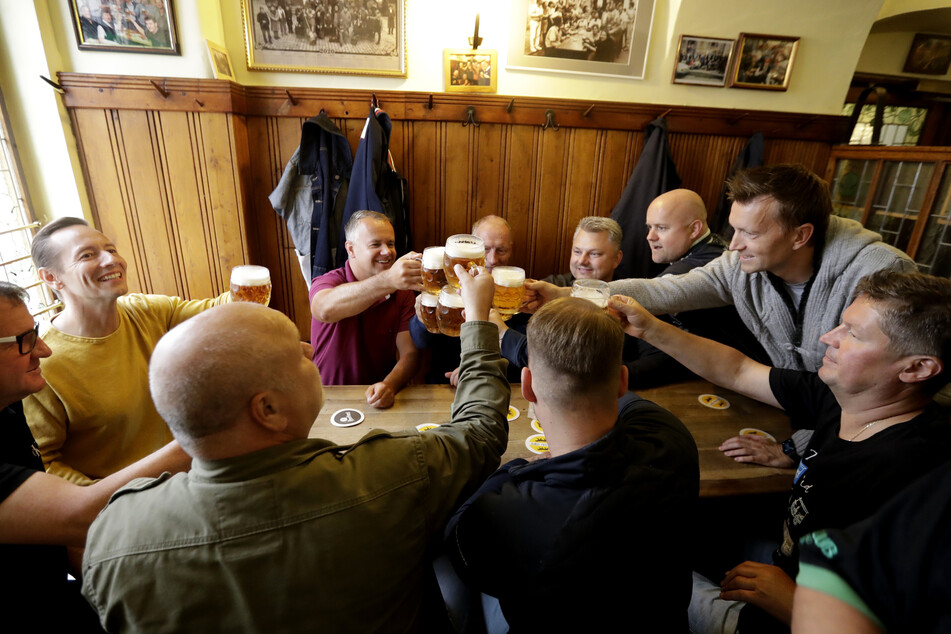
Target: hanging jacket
[(375, 184), (750, 156), (654, 174)]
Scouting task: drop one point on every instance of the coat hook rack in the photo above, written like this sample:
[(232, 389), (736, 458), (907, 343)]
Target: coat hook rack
[(509, 107), (470, 117), (550, 120), (429, 106), (52, 83), (739, 118), (587, 113), (290, 97), (162, 90)]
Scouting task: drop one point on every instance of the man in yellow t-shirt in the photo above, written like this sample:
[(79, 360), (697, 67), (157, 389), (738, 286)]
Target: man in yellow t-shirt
[(95, 415)]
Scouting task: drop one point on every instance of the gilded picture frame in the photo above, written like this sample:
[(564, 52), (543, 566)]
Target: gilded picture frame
[(764, 62), (125, 27), (347, 37), (220, 61), (468, 70)]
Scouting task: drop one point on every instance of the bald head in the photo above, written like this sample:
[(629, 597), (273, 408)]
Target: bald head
[(497, 236), (234, 376), (675, 220)]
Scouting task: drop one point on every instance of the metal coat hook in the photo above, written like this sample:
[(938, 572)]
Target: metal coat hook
[(374, 102), (470, 117), (161, 89), (665, 113), (200, 104), (737, 120), (550, 120), (509, 107), (587, 112), (290, 97), (52, 83), (430, 105)]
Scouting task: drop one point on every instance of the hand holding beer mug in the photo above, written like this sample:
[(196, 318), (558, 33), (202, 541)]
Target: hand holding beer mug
[(426, 311), (465, 249), (449, 311), (434, 276), (251, 283), (594, 291), (509, 290), (406, 272)]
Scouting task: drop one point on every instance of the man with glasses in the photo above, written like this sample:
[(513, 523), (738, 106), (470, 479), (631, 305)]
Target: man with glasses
[(41, 514)]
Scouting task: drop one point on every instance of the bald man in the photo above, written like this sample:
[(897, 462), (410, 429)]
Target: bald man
[(273, 530)]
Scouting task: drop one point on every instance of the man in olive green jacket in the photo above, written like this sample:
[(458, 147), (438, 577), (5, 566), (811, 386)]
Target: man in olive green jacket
[(272, 531)]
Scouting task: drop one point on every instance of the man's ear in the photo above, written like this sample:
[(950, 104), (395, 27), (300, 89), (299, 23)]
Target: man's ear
[(527, 392), (803, 235), (348, 245), (696, 229), (265, 410), (618, 258), (920, 368), (49, 278), (622, 388)]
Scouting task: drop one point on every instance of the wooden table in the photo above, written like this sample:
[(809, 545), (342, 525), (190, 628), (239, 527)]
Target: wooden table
[(719, 475)]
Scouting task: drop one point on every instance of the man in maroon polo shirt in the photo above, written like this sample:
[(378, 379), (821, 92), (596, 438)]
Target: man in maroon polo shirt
[(360, 330)]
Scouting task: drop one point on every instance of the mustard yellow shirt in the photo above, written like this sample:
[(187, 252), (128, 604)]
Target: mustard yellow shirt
[(95, 415)]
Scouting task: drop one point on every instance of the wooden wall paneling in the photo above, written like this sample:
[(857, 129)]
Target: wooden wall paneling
[(582, 162), (618, 156), (517, 148), (551, 220), (456, 163), (489, 171), (813, 155), (703, 163), (422, 172)]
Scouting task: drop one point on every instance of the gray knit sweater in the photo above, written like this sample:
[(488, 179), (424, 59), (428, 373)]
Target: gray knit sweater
[(851, 252)]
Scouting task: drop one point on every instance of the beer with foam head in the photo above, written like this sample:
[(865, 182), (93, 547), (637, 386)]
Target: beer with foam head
[(251, 283), (464, 249), (509, 290), (427, 309), (596, 291), (449, 311), (434, 276)]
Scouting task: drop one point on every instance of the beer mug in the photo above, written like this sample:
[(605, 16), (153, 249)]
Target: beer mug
[(434, 277), (509, 290), (464, 249), (251, 283), (427, 309), (594, 291), (449, 311)]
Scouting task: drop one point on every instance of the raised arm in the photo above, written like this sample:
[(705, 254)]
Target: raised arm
[(330, 305), (713, 361), (46, 509)]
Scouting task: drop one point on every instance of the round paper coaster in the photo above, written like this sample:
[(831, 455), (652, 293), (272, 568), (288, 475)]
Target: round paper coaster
[(537, 443), (757, 432), (426, 427), (513, 413), (713, 401), (537, 426), (347, 418)]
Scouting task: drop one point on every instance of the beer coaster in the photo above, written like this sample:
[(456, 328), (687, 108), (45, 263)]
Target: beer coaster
[(537, 426), (537, 443), (713, 401), (347, 418), (757, 432), (426, 426), (513, 413)]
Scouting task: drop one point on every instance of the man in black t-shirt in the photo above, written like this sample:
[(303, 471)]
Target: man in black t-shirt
[(40, 514), (876, 426)]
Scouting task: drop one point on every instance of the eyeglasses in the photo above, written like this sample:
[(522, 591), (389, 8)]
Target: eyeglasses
[(26, 341)]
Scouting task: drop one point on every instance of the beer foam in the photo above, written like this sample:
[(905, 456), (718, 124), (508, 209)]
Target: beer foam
[(509, 276), (451, 300), (428, 300), (432, 257), (465, 250), (591, 295), (250, 275)]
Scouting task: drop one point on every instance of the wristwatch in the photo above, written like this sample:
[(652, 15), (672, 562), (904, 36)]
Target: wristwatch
[(789, 448)]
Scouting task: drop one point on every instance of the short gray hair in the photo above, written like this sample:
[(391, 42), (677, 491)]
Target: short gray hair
[(598, 224), (364, 214), (491, 217), (13, 293)]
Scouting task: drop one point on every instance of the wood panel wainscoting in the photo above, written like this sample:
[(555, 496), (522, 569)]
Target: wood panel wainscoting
[(179, 170)]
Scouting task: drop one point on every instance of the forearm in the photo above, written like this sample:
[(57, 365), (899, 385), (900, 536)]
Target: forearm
[(404, 370), (702, 287), (346, 300)]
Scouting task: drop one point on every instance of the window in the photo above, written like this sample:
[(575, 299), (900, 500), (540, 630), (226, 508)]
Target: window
[(901, 125), (17, 227)]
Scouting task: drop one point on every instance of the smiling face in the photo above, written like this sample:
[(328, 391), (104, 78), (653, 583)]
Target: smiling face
[(88, 266), (373, 248), (762, 241), (858, 356), (20, 374), (594, 256)]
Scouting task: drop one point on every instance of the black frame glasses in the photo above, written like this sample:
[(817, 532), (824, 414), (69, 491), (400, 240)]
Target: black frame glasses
[(28, 339)]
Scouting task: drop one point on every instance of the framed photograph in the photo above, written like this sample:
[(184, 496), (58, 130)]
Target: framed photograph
[(929, 55), (220, 61), (764, 62), (343, 37), (598, 37), (129, 27), (470, 71), (703, 61)]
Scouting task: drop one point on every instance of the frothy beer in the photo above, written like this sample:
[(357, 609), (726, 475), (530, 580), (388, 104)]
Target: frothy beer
[(595, 291), (464, 249), (434, 277), (251, 284), (427, 305), (509, 290), (449, 311)]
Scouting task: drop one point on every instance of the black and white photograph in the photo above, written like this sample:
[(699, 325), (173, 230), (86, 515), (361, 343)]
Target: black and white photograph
[(703, 61), (606, 37), (123, 26), (356, 37)]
